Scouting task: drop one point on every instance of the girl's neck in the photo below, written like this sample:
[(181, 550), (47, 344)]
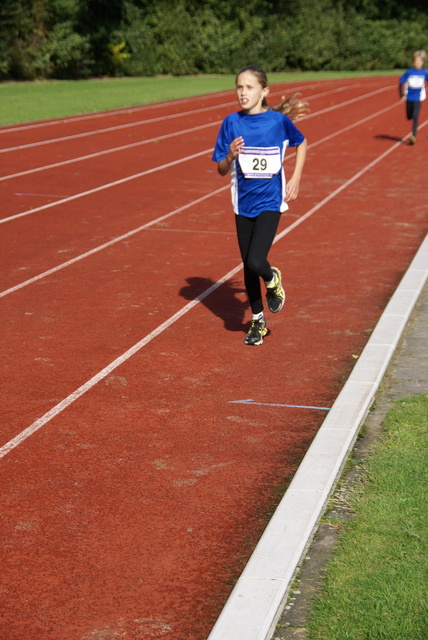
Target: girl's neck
[(256, 111)]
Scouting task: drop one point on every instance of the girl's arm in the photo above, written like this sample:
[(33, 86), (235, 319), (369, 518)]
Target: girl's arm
[(292, 187), (223, 167)]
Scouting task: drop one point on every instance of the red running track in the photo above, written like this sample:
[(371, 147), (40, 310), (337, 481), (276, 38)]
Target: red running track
[(135, 484)]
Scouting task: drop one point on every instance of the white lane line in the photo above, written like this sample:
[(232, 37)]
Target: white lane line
[(136, 144), (351, 126), (97, 154), (5, 449), (165, 325), (355, 177), (108, 185), (179, 115), (274, 404), (334, 193), (106, 114), (346, 103), (101, 247), (95, 132), (111, 184), (145, 107), (159, 105), (118, 239), (41, 195)]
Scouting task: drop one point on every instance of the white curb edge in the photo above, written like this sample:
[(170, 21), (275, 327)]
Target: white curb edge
[(255, 604)]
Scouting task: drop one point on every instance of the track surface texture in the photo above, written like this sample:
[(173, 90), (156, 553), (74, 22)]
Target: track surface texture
[(135, 481)]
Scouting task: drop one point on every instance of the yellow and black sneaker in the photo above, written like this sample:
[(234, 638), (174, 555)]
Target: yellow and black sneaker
[(257, 332), (412, 139), (275, 296)]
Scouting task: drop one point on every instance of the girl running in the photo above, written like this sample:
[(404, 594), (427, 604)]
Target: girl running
[(251, 145), (412, 90)]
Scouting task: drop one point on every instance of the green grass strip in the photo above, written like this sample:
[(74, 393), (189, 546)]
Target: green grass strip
[(376, 583), (29, 101)]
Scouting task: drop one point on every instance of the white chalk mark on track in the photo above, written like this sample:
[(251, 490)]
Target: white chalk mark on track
[(275, 404)]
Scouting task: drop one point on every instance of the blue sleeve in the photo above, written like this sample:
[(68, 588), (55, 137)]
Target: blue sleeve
[(295, 137), (222, 145)]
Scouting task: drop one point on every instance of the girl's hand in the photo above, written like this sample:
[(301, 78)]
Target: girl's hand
[(235, 148), (292, 189)]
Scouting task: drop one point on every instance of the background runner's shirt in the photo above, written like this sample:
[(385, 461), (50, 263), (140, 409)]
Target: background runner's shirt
[(414, 81), (266, 137)]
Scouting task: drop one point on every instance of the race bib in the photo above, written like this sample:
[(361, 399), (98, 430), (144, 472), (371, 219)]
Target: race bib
[(416, 82), (260, 162)]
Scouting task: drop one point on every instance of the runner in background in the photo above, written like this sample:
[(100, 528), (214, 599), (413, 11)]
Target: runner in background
[(251, 146), (412, 90)]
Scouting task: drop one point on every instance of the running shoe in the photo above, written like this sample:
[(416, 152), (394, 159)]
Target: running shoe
[(256, 333), (412, 139), (275, 296)]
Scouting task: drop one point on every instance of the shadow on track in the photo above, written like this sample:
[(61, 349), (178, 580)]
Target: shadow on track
[(386, 137), (222, 302)]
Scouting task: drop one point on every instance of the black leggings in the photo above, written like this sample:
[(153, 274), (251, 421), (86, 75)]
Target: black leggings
[(412, 113), (255, 238)]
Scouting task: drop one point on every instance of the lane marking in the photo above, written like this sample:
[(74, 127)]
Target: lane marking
[(41, 195), (57, 409), (159, 105), (345, 104), (108, 185), (343, 186), (106, 114), (147, 225), (97, 154), (143, 142), (131, 109), (138, 123), (132, 177), (101, 247), (351, 126), (95, 132), (272, 404), (156, 139)]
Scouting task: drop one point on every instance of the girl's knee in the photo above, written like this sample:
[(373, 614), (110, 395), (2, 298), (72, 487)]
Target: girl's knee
[(255, 265)]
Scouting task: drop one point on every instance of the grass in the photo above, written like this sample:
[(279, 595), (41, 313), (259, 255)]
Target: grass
[(376, 583), (27, 101)]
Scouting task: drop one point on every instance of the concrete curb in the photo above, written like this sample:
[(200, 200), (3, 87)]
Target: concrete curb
[(255, 604)]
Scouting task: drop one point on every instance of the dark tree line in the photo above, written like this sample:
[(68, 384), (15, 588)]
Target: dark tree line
[(86, 38)]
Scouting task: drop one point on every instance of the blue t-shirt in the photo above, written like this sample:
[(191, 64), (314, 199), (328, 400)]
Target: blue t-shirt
[(257, 174), (414, 81)]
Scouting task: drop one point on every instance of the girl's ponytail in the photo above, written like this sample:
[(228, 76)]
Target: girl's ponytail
[(293, 107)]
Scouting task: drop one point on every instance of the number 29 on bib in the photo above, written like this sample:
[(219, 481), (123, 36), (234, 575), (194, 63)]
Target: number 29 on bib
[(260, 162)]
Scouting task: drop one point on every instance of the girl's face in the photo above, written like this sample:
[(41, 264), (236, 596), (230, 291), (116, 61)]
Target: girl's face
[(250, 93), (418, 62)]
